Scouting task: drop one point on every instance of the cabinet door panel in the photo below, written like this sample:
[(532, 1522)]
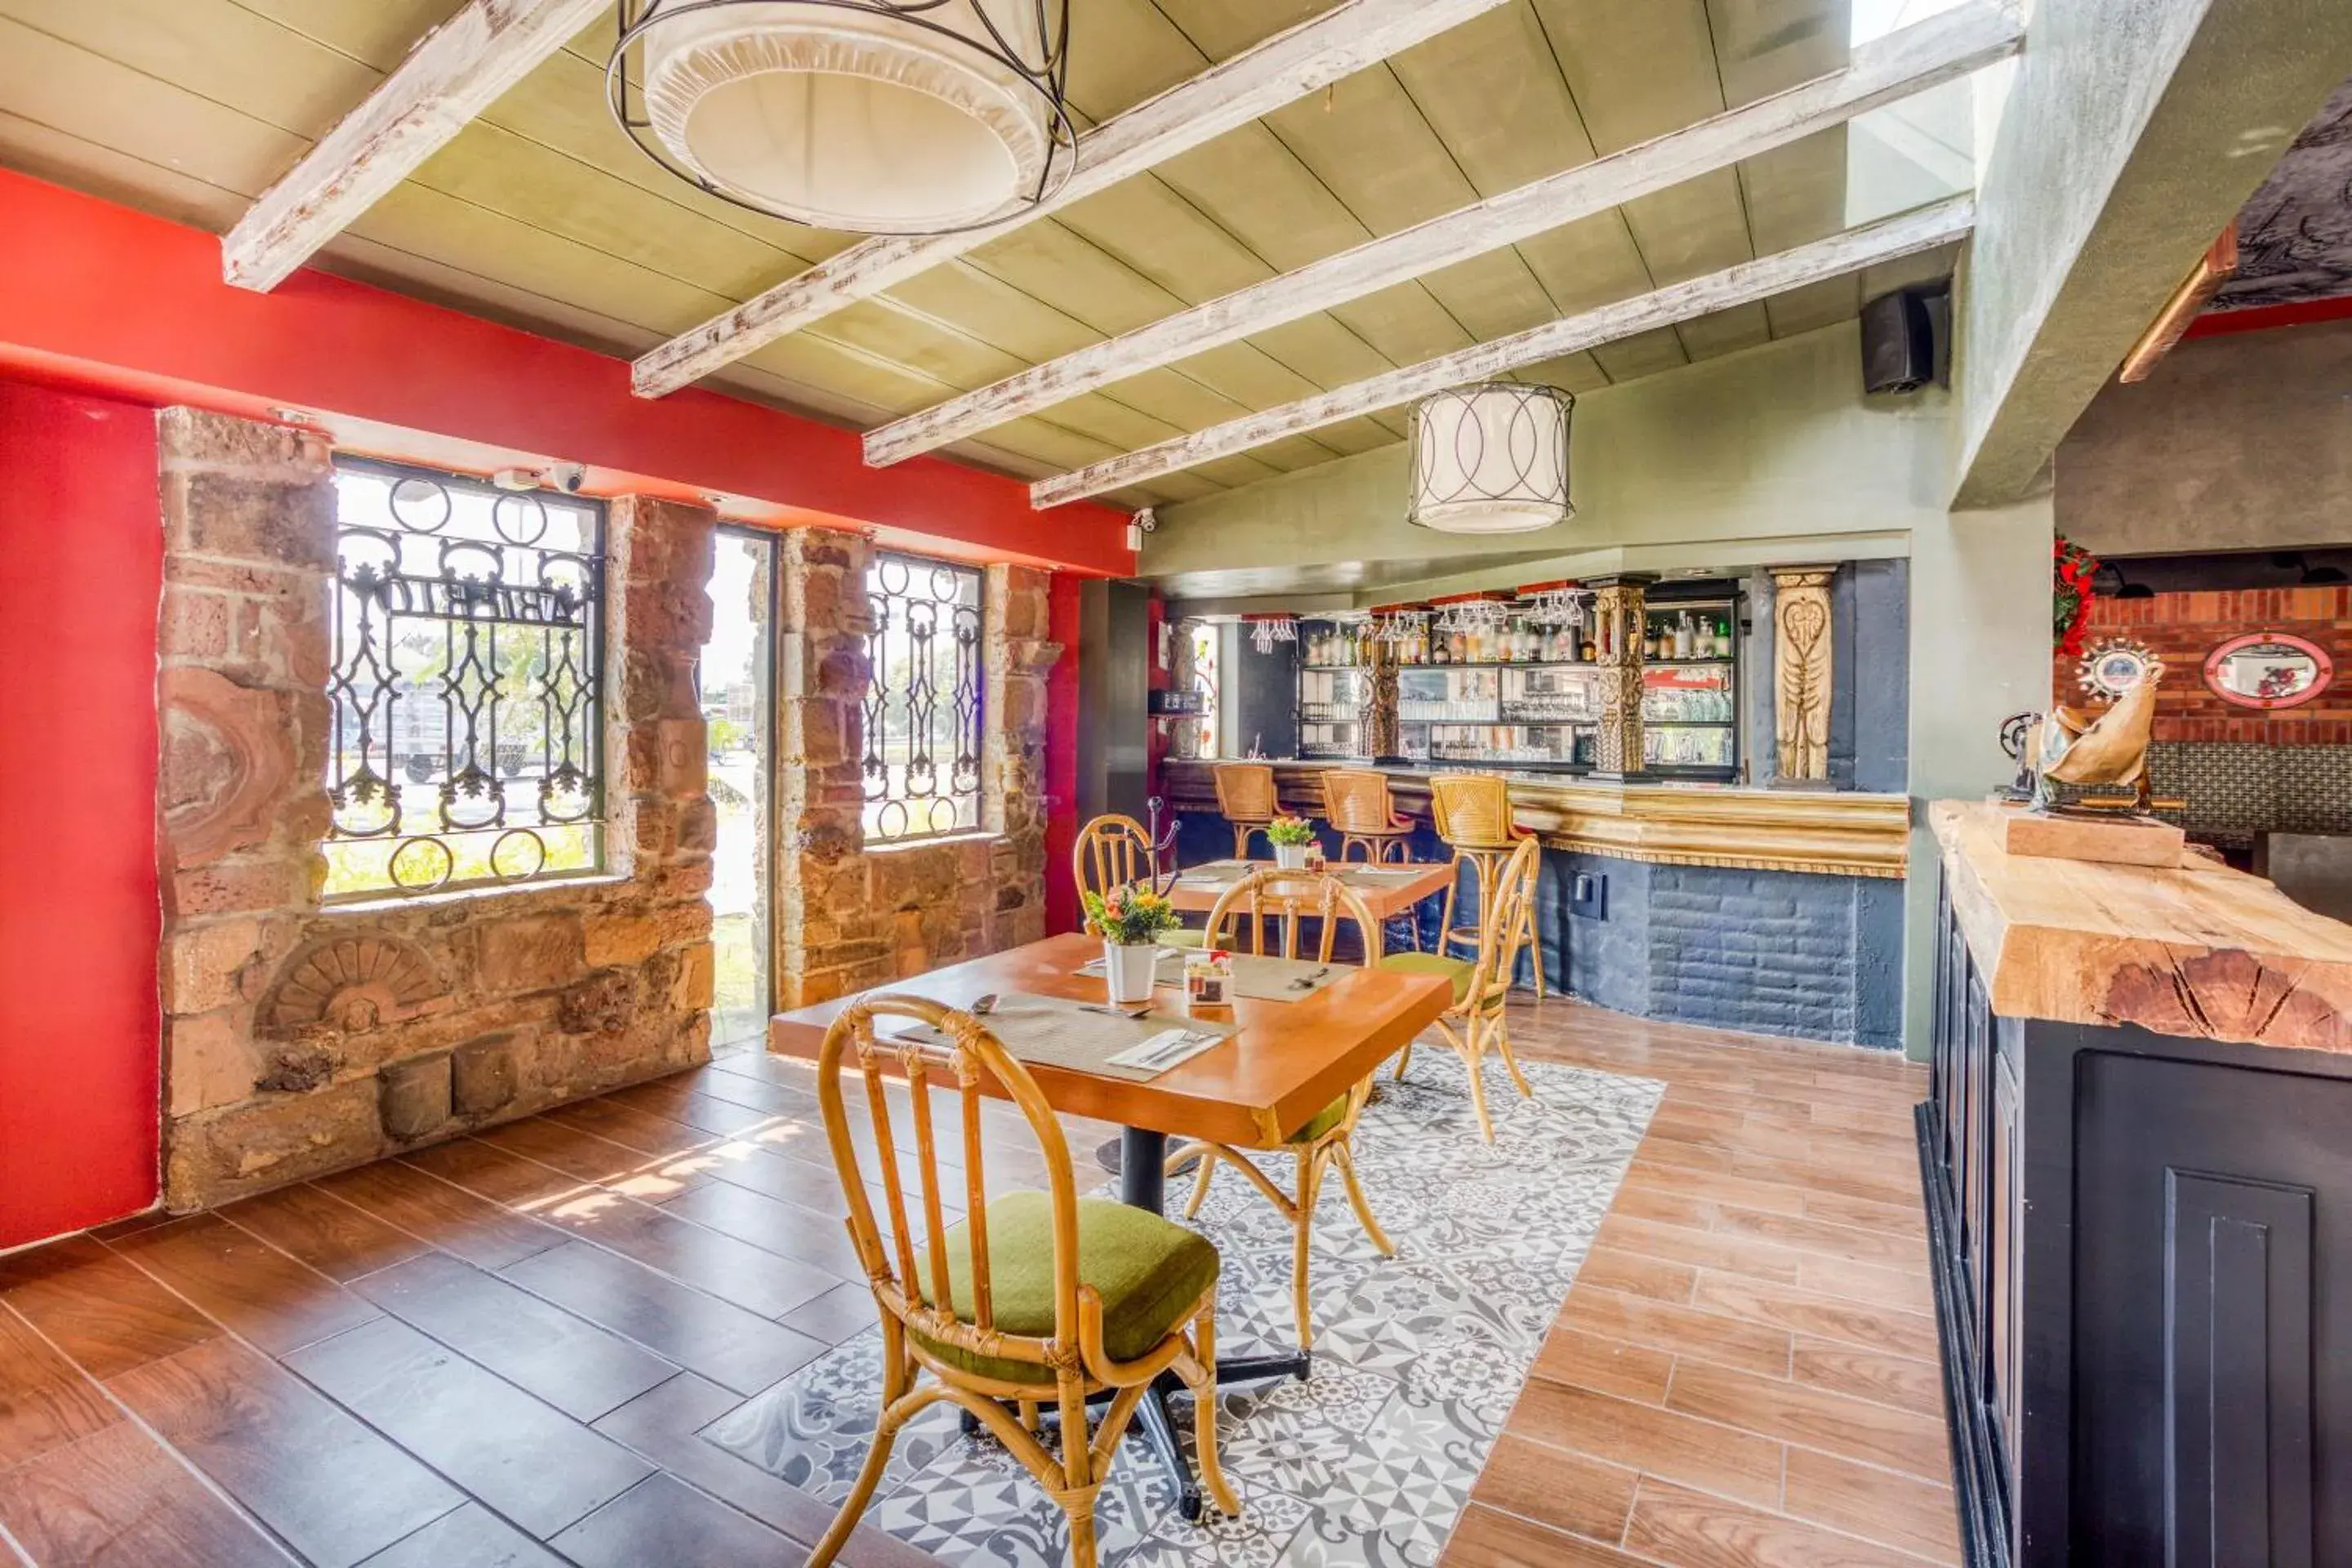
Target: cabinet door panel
[(2212, 1332)]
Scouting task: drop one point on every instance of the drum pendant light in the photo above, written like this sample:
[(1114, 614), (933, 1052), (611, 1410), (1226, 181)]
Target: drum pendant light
[(866, 116), (1491, 458)]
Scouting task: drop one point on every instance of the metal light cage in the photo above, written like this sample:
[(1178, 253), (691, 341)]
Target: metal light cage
[(1536, 412), (1049, 77)]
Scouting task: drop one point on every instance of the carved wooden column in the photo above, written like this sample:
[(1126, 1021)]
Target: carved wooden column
[(1802, 674), (1381, 741), (1620, 609)]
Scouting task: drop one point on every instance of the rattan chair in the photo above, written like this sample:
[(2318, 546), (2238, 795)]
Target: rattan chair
[(1472, 813), (1033, 1300), (1293, 897), (1115, 851), (1246, 795), (1356, 803), (1475, 1023)]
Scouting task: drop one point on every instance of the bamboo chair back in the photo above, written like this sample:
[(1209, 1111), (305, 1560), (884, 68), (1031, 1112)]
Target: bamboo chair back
[(1509, 920), (1245, 791), (1112, 851), (1289, 897), (1357, 801), (908, 1267), (1471, 810)]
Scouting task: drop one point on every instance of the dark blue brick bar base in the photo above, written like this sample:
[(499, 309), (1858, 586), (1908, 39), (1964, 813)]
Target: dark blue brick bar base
[(1775, 953)]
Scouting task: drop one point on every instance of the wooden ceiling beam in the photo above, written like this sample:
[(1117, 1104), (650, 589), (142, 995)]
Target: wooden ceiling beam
[(1911, 60), (1889, 239), (1341, 41), (453, 73)]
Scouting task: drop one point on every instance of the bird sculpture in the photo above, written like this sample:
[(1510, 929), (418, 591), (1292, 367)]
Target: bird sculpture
[(2074, 747)]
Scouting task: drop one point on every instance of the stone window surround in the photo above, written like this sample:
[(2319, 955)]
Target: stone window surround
[(302, 1038), (850, 917)]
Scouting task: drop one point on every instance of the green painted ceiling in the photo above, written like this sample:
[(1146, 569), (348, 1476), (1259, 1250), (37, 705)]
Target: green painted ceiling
[(541, 213)]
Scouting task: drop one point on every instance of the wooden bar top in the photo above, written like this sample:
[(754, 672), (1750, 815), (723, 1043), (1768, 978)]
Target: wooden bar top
[(1845, 833), (2199, 949)]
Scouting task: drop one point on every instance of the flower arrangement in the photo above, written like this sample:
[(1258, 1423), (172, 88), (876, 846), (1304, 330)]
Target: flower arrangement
[(1130, 916), (2070, 593), (1290, 830)]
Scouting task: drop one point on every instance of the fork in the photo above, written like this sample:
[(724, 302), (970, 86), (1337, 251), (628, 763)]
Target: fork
[(1306, 982)]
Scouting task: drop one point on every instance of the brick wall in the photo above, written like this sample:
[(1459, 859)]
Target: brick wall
[(2183, 628), (2241, 770), (852, 915), (1770, 952), (300, 1038)]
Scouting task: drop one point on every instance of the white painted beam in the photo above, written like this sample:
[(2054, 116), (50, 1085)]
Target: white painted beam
[(1912, 60), (1338, 43), (453, 73), (1888, 240)]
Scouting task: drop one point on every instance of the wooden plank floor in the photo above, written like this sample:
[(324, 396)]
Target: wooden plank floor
[(499, 1350), (1745, 1372)]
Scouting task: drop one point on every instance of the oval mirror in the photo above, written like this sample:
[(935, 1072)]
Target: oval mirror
[(2268, 669)]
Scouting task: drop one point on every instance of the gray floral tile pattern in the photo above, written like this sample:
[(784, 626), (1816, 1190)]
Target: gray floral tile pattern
[(1418, 1357)]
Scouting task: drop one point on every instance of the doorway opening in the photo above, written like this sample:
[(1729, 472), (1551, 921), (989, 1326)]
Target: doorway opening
[(737, 675)]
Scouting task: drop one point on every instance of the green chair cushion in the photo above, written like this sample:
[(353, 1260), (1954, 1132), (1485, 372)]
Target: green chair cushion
[(1184, 936), (1149, 1272), (1324, 1120), (1460, 972)]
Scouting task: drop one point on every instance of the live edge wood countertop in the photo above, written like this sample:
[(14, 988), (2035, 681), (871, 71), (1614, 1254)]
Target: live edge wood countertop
[(2200, 950)]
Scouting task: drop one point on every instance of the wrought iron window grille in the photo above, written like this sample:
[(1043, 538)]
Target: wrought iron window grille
[(468, 687), (922, 708)]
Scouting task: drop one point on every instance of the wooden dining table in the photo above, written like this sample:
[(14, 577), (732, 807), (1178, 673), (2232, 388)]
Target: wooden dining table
[(1286, 1061), (1386, 896)]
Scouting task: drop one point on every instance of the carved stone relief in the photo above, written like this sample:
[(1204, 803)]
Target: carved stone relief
[(227, 759)]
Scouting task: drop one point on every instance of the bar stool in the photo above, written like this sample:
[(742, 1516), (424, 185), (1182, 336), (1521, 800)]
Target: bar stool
[(1357, 804), (1472, 813), (1246, 795)]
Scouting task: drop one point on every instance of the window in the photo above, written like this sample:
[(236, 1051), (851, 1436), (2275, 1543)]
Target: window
[(467, 684), (922, 699), (1205, 671)]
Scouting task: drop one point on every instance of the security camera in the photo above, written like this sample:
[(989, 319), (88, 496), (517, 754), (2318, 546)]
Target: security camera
[(569, 477)]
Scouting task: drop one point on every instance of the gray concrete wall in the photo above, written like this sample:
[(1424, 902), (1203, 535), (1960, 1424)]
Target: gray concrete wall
[(2242, 442), (1980, 652), (2134, 130), (1772, 442)]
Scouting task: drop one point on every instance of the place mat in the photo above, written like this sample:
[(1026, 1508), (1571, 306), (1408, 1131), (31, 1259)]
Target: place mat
[(1260, 979), (1220, 873), (1382, 875), (1057, 1031)]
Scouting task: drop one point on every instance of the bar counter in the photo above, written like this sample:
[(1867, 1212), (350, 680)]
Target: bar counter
[(1774, 911), (1844, 833), (2137, 1153)]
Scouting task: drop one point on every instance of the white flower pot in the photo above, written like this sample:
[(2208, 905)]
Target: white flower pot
[(1129, 970), (1290, 857)]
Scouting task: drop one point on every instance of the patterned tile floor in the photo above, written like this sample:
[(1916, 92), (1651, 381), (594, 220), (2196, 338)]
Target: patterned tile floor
[(1418, 1356)]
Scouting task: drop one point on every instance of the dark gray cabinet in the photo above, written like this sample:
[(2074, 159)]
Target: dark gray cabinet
[(2143, 1249)]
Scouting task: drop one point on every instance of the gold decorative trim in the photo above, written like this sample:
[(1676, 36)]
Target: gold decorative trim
[(1817, 832)]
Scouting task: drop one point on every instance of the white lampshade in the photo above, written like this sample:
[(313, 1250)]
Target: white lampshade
[(852, 119), (1491, 458)]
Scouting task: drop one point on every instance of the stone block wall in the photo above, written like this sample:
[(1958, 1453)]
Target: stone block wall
[(852, 915), (300, 1038)]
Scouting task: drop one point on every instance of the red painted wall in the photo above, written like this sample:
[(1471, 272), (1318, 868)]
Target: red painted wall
[(106, 299), (1062, 758), (81, 570)]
